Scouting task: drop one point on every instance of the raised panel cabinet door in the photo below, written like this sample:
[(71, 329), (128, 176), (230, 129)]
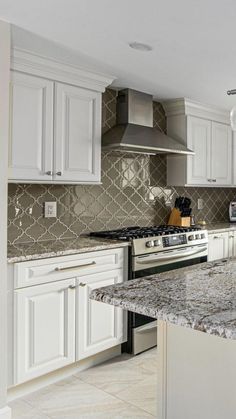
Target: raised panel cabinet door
[(199, 140), (218, 246), (99, 326), (77, 135), (44, 329), (31, 128), (221, 154)]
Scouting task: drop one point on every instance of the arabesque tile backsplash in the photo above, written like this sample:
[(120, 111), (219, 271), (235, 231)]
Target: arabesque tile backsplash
[(133, 192)]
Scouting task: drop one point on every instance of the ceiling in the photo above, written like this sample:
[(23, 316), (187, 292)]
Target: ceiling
[(194, 49)]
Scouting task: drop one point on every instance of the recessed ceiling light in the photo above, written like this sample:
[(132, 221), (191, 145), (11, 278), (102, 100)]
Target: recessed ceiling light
[(140, 46)]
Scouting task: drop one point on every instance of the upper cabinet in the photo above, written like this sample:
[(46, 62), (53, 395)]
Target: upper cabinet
[(55, 122), (77, 134), (208, 134)]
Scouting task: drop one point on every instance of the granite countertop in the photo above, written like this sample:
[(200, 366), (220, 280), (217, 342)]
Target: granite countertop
[(202, 297), (45, 249), (216, 227)]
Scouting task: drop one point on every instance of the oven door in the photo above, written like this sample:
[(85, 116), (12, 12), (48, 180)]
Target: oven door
[(142, 330), (168, 257)]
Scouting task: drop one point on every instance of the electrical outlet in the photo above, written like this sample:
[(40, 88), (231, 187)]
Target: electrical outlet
[(50, 209), (200, 204)]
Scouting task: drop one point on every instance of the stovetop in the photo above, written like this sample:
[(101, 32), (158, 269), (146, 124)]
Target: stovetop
[(137, 232)]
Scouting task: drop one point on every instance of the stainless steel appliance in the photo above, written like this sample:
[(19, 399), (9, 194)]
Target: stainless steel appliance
[(134, 131), (232, 211), (153, 250)]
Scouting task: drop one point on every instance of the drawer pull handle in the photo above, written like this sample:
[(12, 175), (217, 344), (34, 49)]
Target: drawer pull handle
[(216, 237), (72, 287), (72, 268), (49, 173), (82, 284)]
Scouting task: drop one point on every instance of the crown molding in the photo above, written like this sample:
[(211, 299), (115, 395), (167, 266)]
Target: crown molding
[(184, 106), (28, 62)]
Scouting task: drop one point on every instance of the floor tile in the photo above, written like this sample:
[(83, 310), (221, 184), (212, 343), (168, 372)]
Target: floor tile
[(124, 387)]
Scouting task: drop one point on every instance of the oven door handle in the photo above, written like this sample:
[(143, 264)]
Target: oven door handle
[(147, 259)]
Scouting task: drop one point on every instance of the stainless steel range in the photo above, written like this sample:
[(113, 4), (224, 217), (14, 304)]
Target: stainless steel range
[(153, 250)]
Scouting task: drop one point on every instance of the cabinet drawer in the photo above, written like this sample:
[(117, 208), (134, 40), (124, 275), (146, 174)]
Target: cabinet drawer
[(59, 268)]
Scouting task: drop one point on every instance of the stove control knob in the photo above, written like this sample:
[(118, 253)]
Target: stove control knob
[(202, 236), (191, 237), (150, 243), (157, 242), (197, 236)]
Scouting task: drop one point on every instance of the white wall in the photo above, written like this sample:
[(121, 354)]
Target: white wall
[(4, 118)]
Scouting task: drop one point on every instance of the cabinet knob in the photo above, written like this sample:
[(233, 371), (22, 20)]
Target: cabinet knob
[(82, 284), (72, 287), (49, 173), (59, 173), (209, 180), (213, 180)]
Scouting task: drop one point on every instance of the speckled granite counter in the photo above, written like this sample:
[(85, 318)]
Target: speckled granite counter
[(216, 227), (202, 297), (46, 249)]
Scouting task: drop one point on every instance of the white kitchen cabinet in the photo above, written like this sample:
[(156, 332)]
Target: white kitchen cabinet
[(199, 140), (77, 134), (206, 131), (44, 329), (55, 323), (232, 243), (55, 132), (99, 326), (218, 246), (31, 128), (221, 154)]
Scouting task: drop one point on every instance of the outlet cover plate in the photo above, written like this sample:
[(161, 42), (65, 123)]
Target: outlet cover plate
[(50, 209)]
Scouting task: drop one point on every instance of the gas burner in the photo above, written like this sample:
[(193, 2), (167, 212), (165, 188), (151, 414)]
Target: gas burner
[(137, 232)]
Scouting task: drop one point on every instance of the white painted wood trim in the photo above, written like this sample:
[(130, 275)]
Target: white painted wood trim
[(5, 413), (162, 369), (31, 63), (184, 106)]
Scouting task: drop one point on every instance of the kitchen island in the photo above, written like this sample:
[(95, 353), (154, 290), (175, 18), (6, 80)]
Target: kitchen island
[(196, 370)]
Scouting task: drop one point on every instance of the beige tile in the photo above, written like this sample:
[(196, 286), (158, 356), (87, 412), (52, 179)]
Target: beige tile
[(74, 399), (23, 410), (116, 375)]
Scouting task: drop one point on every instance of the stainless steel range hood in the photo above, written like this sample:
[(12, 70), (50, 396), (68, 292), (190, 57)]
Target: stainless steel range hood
[(134, 131)]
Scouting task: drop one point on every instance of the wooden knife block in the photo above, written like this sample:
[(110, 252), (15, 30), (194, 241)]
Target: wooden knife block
[(175, 219)]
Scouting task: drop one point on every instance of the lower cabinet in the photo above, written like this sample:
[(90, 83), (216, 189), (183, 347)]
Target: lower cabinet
[(55, 323), (99, 326), (44, 329), (218, 246)]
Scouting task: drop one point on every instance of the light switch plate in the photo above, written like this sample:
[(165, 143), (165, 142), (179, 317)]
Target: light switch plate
[(200, 204), (50, 209)]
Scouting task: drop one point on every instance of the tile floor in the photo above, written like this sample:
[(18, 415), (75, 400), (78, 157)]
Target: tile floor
[(122, 388)]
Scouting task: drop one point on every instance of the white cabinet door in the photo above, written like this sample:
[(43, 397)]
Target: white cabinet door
[(31, 128), (77, 134), (218, 246), (199, 140), (99, 326), (44, 329), (221, 154), (232, 244)]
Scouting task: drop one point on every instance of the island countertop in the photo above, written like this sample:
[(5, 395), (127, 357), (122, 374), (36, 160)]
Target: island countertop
[(202, 297)]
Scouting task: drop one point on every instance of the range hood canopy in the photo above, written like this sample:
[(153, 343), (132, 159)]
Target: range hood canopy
[(134, 131)]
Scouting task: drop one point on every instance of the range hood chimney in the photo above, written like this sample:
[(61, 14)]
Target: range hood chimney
[(134, 131)]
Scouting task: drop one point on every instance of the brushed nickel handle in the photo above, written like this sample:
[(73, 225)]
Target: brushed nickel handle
[(213, 180), (49, 173), (59, 173), (72, 287), (82, 284), (72, 268)]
